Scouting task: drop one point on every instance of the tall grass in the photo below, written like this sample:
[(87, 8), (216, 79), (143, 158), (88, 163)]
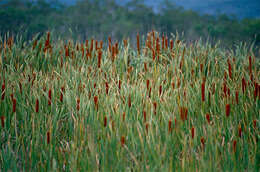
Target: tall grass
[(76, 106)]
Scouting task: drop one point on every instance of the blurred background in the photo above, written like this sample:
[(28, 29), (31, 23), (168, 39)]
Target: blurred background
[(229, 21)]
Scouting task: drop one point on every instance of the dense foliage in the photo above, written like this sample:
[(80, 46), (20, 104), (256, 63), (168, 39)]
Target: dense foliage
[(156, 105)]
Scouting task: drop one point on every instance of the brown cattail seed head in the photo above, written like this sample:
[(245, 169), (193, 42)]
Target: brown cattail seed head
[(170, 126), (192, 132), (203, 91), (48, 137), (3, 121), (227, 110), (49, 97), (234, 145), (208, 117), (122, 141), (78, 104), (96, 101), (37, 106), (14, 105)]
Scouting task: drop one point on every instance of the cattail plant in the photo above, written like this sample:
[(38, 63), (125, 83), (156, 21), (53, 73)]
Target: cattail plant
[(229, 69), (250, 64), (37, 106), (147, 84), (227, 110), (3, 121), (86, 43), (254, 123), (20, 87), (192, 132), (202, 140), (243, 85), (113, 53), (129, 70), (99, 58), (237, 96), (10, 42), (49, 97), (145, 67), (47, 42), (166, 42), (201, 67), (153, 51), (67, 53), (88, 54), (48, 137), (208, 117), (123, 116), (78, 104), (82, 50), (14, 105), (96, 101), (106, 77), (129, 101), (170, 126), (183, 113), (173, 85), (171, 44), (119, 85), (163, 39), (153, 35), (146, 127), (34, 44), (72, 54), (12, 96), (178, 83), (149, 42), (138, 43), (203, 91), (160, 90), (107, 87), (122, 141), (96, 45), (116, 46), (144, 115), (91, 45), (157, 46), (110, 44), (234, 145)]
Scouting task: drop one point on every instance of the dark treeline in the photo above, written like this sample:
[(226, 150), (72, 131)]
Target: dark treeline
[(103, 18)]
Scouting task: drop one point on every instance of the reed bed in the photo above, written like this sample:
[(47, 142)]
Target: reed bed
[(159, 104)]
